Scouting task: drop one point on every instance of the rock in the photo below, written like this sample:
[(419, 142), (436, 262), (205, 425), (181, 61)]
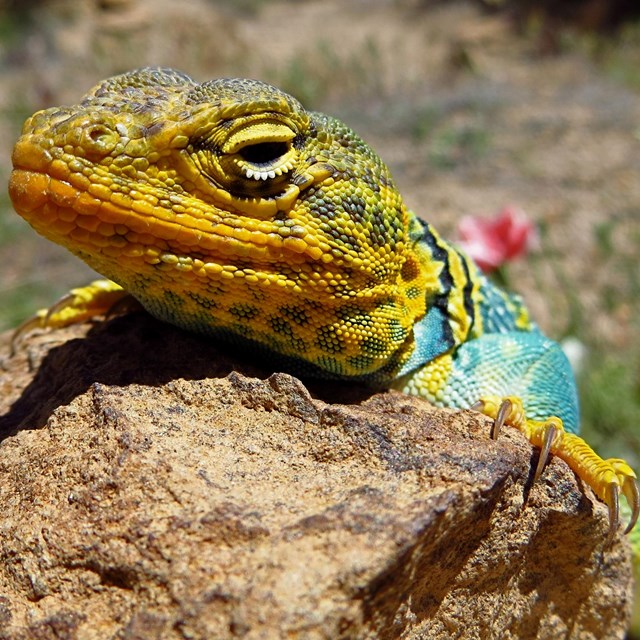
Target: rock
[(156, 487)]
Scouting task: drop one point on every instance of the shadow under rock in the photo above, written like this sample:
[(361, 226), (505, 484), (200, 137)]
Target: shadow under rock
[(138, 349), (129, 349)]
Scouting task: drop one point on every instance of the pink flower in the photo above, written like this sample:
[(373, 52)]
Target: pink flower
[(492, 242)]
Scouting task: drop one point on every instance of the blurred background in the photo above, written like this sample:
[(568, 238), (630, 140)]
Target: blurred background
[(475, 106)]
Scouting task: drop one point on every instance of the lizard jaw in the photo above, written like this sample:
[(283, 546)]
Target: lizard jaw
[(87, 222)]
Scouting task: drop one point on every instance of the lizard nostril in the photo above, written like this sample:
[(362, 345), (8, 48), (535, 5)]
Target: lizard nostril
[(98, 132), (98, 141)]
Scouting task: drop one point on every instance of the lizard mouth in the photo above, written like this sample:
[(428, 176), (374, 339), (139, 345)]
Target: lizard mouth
[(264, 172), (255, 164)]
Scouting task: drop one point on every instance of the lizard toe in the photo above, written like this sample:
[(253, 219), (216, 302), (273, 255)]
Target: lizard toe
[(612, 478)]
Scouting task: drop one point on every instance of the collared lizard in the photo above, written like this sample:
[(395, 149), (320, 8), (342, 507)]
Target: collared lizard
[(228, 209)]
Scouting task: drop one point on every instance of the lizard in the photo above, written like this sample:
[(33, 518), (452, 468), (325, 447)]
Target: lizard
[(228, 209)]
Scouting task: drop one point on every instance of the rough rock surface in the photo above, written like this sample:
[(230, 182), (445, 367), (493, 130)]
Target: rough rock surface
[(154, 487)]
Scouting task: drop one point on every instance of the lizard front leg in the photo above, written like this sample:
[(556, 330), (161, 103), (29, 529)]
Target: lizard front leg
[(608, 478), (524, 380), (98, 298)]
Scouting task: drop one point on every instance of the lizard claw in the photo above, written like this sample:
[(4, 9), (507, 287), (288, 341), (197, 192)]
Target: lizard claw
[(498, 421), (632, 494), (624, 481), (499, 413), (547, 441), (503, 413), (612, 500), (629, 487)]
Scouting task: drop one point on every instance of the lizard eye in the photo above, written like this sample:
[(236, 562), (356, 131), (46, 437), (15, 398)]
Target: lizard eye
[(260, 151), (265, 160), (263, 152)]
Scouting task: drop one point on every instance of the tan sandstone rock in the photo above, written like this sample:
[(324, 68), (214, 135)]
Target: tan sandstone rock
[(148, 491)]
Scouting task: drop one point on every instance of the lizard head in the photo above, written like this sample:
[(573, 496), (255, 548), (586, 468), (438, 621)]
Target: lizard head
[(225, 207)]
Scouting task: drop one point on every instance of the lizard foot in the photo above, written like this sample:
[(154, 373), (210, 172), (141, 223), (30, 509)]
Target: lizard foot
[(101, 297), (608, 478)]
